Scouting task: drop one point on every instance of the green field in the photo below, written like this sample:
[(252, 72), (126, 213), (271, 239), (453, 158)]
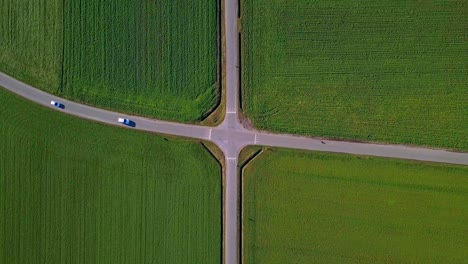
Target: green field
[(307, 207), (152, 58), (31, 41), (72, 191), (392, 71), (155, 58)]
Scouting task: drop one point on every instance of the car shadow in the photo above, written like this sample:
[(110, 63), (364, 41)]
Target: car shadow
[(62, 106)]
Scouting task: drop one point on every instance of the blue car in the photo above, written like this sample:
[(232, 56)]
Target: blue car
[(57, 104), (125, 121)]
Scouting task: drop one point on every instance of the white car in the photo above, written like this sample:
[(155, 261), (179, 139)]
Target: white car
[(57, 104), (125, 121)]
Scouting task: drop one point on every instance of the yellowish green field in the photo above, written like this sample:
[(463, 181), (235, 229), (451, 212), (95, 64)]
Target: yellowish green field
[(307, 207)]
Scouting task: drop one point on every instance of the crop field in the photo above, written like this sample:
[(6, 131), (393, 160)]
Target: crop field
[(152, 58), (390, 71), (72, 191), (31, 41), (156, 58), (308, 207)]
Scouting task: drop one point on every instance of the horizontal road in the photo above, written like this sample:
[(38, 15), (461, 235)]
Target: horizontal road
[(367, 149), (231, 136), (101, 115)]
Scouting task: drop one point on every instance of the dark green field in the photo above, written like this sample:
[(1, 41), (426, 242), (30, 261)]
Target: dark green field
[(392, 71), (152, 58), (306, 207), (31, 41), (72, 191), (155, 58)]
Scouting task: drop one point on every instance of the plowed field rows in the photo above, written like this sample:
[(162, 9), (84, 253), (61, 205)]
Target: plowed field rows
[(394, 71)]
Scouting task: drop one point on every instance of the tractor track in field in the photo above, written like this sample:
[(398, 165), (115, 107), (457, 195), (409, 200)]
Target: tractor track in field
[(231, 136)]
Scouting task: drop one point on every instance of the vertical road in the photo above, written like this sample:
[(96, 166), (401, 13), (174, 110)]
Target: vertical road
[(231, 136), (232, 55), (231, 121), (231, 240)]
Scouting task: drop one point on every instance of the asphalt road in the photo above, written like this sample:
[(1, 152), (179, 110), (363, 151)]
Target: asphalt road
[(231, 136), (229, 139)]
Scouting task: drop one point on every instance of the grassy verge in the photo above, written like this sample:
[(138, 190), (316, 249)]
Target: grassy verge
[(306, 207), (216, 116), (72, 191), (249, 153), (389, 71)]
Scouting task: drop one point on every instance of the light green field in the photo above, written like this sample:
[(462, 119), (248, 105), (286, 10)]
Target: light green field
[(307, 207), (152, 58), (72, 191), (392, 71)]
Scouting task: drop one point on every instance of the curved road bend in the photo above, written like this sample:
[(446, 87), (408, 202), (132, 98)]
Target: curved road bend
[(231, 136), (100, 115), (231, 140)]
